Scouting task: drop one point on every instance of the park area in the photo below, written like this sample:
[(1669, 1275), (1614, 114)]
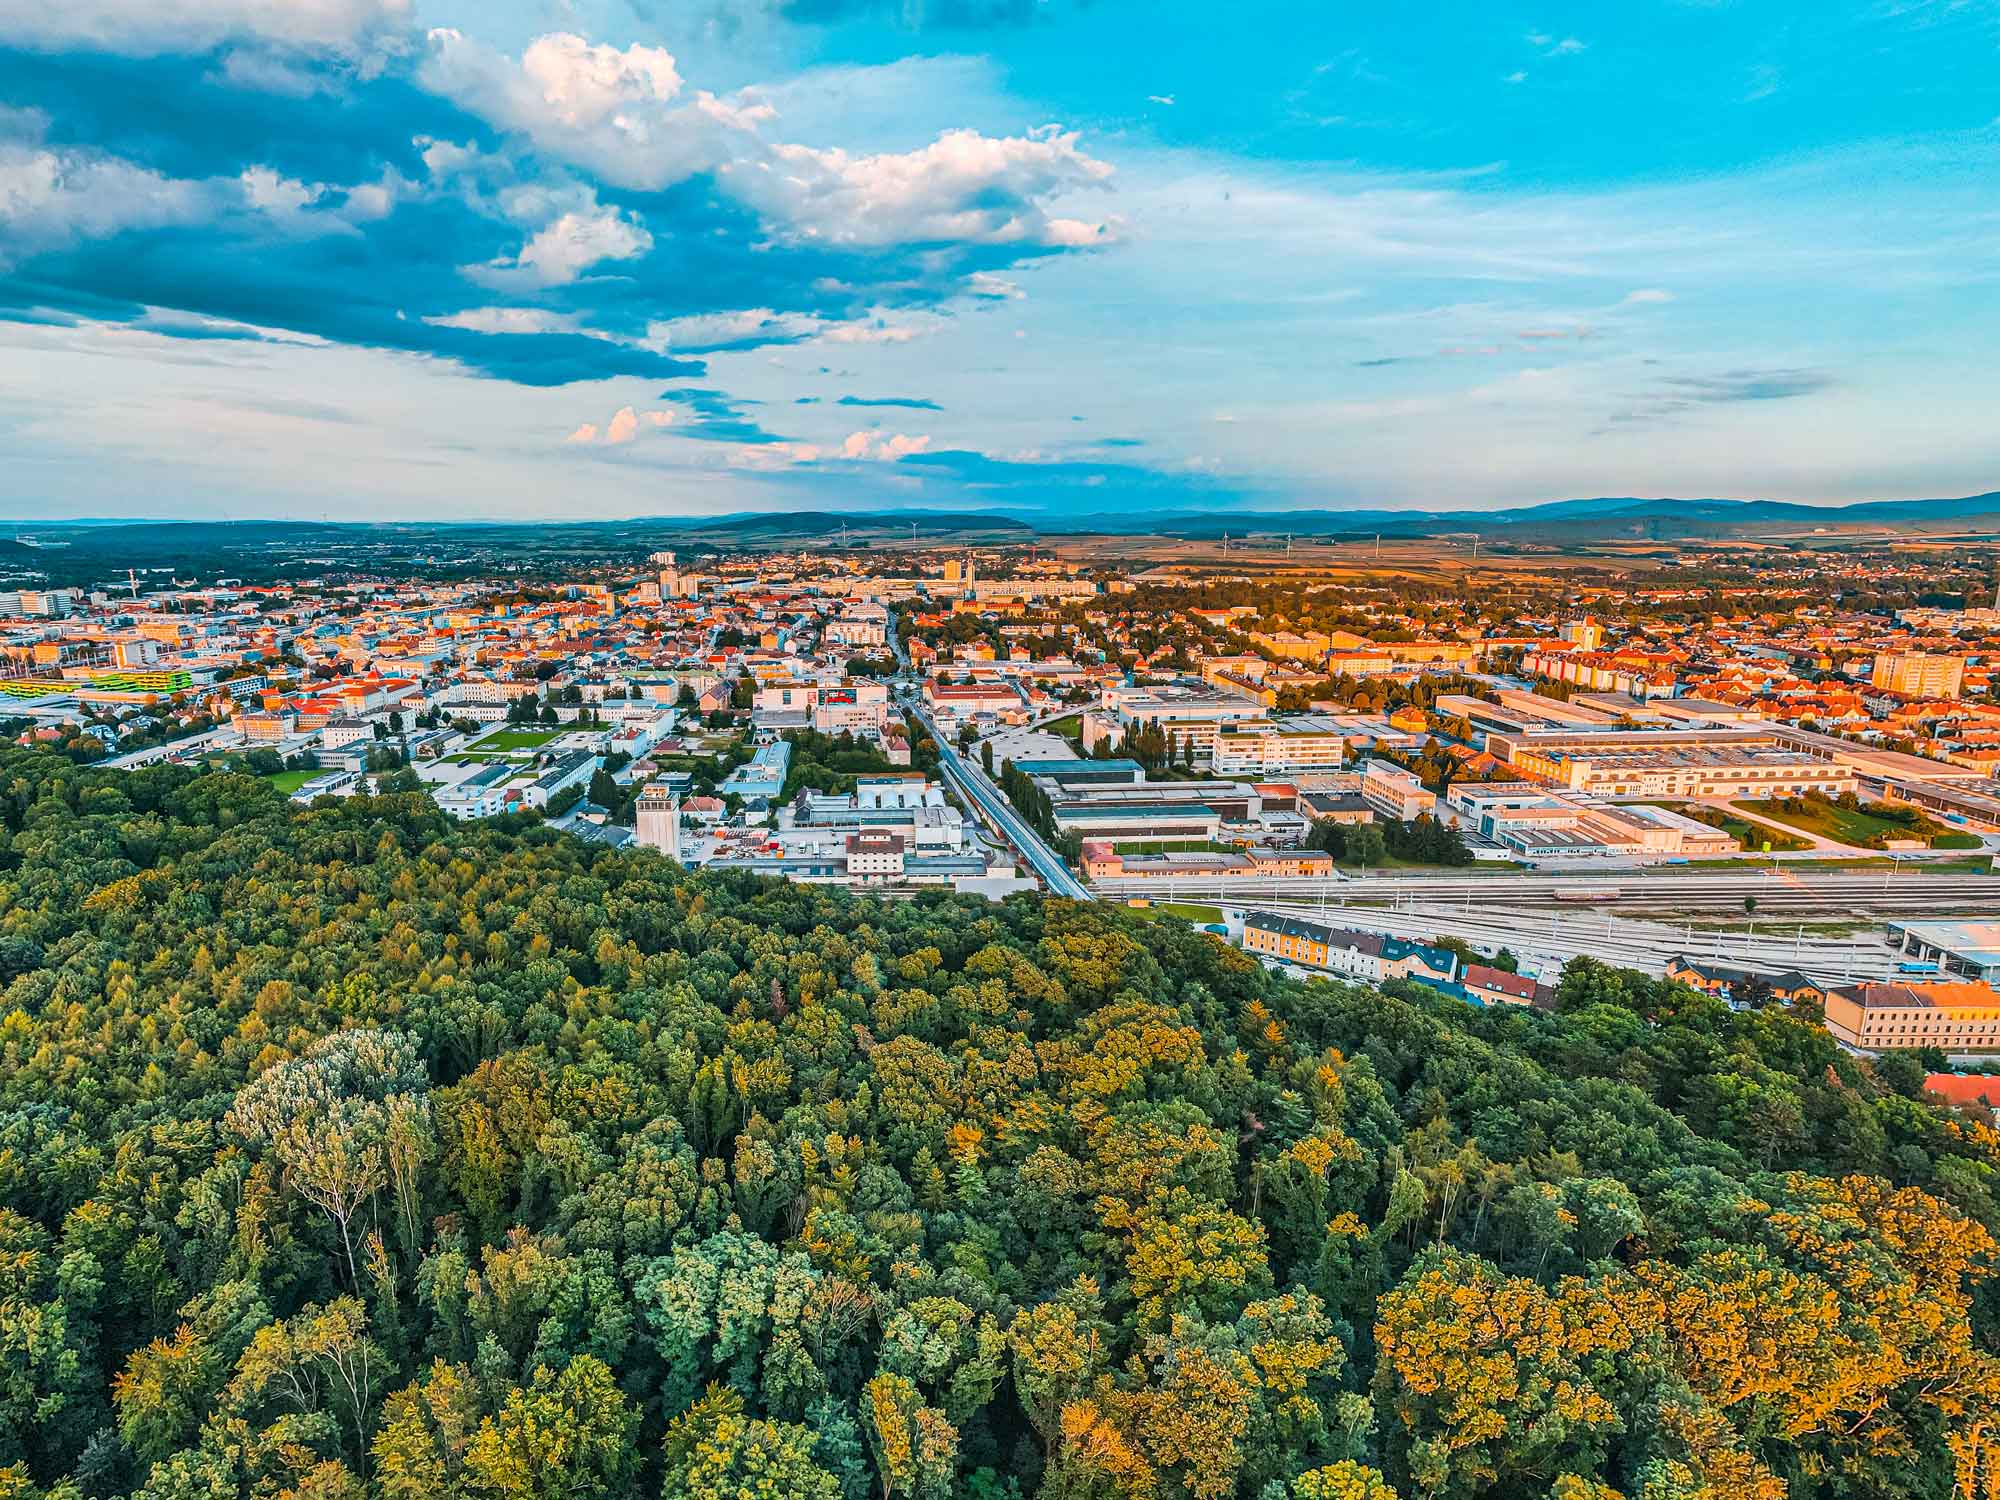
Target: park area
[(1846, 821), (515, 739)]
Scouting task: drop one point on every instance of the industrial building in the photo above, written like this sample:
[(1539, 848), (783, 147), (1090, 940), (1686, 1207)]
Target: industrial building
[(1967, 950)]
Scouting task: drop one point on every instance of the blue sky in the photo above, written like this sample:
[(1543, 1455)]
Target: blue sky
[(391, 258)]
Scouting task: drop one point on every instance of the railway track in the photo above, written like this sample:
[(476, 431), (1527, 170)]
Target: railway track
[(1839, 893)]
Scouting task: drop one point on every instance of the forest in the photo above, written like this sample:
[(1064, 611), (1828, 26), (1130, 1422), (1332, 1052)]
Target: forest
[(346, 1153)]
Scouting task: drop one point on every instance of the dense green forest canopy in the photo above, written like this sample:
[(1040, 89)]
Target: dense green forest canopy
[(347, 1152)]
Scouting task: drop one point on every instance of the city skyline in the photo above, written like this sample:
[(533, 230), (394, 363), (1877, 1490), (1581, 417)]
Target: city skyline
[(403, 258)]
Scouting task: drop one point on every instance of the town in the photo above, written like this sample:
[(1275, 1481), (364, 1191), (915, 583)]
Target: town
[(1771, 776)]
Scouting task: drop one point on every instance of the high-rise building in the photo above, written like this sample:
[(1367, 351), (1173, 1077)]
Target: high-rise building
[(1919, 674), (660, 820)]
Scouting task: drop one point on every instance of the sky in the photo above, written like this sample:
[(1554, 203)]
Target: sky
[(432, 259)]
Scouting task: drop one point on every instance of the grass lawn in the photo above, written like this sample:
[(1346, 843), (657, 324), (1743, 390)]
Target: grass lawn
[(1069, 726), (290, 781), (518, 739), (1847, 825), (1171, 846), (1200, 915), (1752, 836)]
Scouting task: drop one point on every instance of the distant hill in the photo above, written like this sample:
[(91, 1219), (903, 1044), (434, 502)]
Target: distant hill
[(1596, 518), (817, 523)]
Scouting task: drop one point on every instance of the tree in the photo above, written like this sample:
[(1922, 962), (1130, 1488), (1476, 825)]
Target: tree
[(326, 1117), (915, 1449), (566, 1436), (1366, 846), (714, 1452)]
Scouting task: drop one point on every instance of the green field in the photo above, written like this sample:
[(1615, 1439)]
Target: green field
[(1752, 836), (1171, 846), (1201, 916), (1857, 826), (290, 781), (518, 739)]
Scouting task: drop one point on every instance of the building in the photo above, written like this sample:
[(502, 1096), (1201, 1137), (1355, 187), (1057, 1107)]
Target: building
[(1394, 792), (1954, 1016), (1134, 822), (659, 819), (1732, 984), (1963, 950), (1490, 986), (1370, 956), (562, 773), (1675, 763), (1918, 674), (263, 728), (761, 781), (874, 856), (1268, 747), (848, 631)]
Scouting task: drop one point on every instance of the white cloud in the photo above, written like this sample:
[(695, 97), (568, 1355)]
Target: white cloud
[(1552, 46), (150, 27), (585, 85), (1167, 99), (51, 197), (963, 188), (626, 423), (875, 446), (624, 426), (512, 320), (999, 288), (618, 113), (1645, 295), (564, 249), (881, 327), (281, 197), (711, 330), (625, 115)]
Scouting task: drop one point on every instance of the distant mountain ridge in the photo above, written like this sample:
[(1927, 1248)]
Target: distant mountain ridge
[(1597, 517)]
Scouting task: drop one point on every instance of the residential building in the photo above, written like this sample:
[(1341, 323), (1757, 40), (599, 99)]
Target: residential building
[(1953, 1015), (1918, 674)]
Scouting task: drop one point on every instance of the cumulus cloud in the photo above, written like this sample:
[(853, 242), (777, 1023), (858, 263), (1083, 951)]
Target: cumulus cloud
[(963, 188), (619, 114), (627, 423), (569, 246), (624, 115), (1645, 295), (879, 447), (152, 27)]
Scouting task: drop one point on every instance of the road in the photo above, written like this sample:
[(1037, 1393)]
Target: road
[(971, 783)]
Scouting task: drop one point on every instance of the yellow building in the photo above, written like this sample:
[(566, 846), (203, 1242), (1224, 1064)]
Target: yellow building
[(1954, 1016), (1918, 674)]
